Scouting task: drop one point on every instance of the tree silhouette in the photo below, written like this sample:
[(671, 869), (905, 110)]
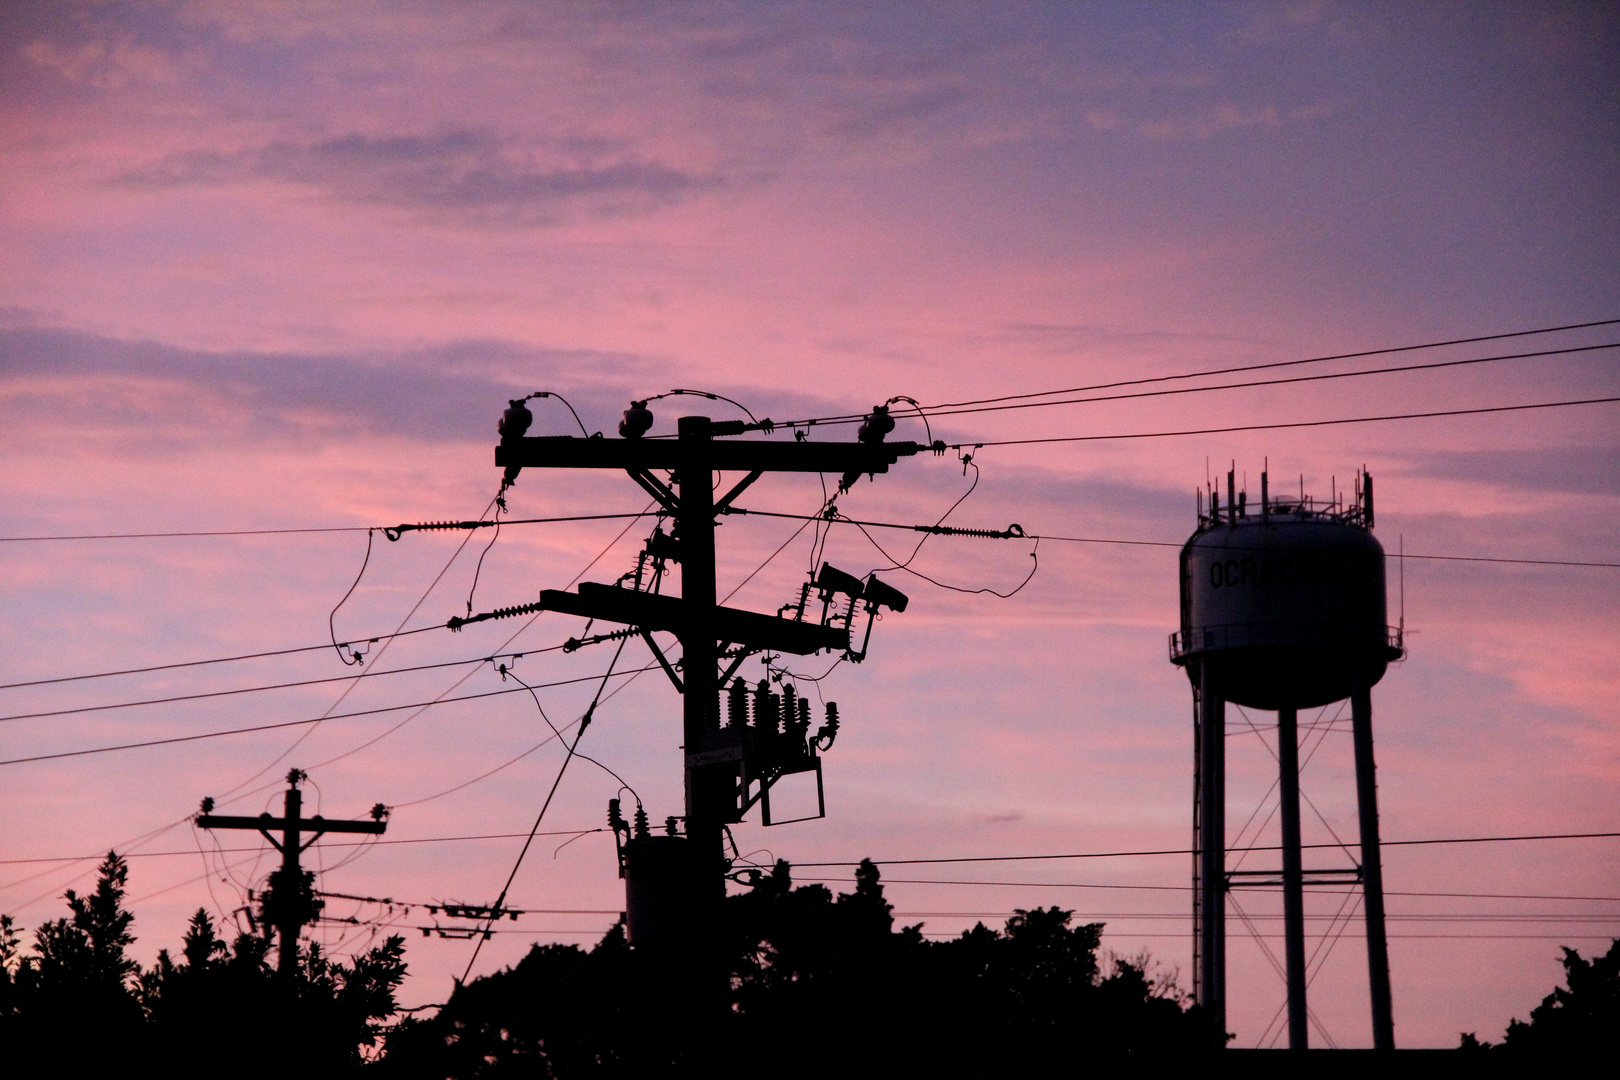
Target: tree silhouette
[(77, 981), (1582, 1016), (817, 984), (79, 1002)]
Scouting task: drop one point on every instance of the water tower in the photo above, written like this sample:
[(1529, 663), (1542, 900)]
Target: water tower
[(1282, 609)]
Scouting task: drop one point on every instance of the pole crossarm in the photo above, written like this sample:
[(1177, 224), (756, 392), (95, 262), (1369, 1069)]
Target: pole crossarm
[(309, 824), (652, 611), (633, 455)]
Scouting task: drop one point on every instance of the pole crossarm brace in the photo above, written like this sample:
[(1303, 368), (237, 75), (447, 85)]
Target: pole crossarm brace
[(652, 611), (640, 455), (652, 486)]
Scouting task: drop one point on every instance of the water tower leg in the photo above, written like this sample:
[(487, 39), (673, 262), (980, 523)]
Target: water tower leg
[(1372, 873), (1212, 854), (1293, 877)]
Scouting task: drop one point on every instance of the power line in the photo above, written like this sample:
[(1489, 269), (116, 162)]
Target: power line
[(1190, 851), (466, 933), (1255, 383), (429, 526), (332, 844), (424, 706), (274, 686), (584, 722), (1278, 937), (1015, 532), (301, 723), (1290, 424), (1189, 888), (1271, 365), (171, 535), (1285, 363), (1185, 916), (216, 660), (347, 690), (316, 723), (1387, 555), (611, 544)]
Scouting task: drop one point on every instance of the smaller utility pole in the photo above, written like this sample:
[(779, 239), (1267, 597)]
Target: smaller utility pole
[(290, 901)]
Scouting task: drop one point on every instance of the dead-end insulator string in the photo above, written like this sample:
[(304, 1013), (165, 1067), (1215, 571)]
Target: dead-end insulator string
[(396, 531), (457, 622)]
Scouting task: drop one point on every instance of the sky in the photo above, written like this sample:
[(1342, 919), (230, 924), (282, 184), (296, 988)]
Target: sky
[(281, 266)]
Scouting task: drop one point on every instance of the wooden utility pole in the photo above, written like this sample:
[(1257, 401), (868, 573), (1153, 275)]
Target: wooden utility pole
[(707, 631), (290, 901)]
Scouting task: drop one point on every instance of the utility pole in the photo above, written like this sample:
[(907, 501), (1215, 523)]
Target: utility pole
[(708, 632), (290, 901)]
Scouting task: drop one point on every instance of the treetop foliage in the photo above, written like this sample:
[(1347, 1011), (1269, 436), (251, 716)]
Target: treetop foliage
[(815, 983), (1582, 1016), (79, 1001)]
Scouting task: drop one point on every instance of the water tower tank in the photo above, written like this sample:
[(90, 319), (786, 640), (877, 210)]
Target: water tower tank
[(1285, 601)]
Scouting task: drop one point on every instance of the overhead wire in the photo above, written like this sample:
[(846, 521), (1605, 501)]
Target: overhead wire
[(1189, 888), (312, 728), (975, 445), (170, 825), (509, 762), (513, 637), (557, 733), (443, 695), (1257, 383), (1351, 421), (299, 723), (313, 723), (500, 508), (331, 623), (329, 843), (1017, 532), (1233, 370), (1190, 851), (428, 526), (212, 660), (369, 673), (584, 722), (709, 396)]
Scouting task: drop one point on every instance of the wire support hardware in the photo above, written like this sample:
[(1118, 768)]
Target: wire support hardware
[(457, 622)]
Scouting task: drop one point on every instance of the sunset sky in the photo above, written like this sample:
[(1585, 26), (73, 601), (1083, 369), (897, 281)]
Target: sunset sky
[(281, 266)]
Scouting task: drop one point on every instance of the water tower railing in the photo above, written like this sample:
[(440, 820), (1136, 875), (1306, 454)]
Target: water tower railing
[(1259, 635)]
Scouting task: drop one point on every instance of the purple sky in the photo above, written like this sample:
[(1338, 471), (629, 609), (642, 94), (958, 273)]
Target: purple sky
[(281, 265)]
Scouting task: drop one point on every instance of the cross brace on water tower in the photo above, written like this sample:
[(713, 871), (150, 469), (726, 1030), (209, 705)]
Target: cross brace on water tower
[(706, 630), (290, 901)]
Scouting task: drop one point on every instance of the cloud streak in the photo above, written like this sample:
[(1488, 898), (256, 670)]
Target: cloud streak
[(433, 395), (461, 172)]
